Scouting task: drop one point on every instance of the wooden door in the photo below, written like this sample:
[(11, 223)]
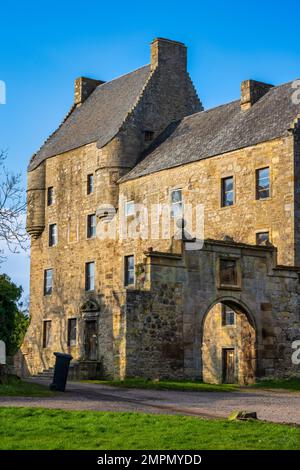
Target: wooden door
[(228, 366), (91, 342)]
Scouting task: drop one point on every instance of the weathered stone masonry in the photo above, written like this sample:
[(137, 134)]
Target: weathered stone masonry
[(169, 323)]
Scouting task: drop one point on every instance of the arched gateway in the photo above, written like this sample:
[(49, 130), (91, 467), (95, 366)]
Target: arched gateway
[(228, 344)]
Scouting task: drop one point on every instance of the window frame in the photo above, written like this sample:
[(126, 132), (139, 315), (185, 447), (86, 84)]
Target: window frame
[(176, 204), (261, 232), (128, 203), (224, 192), (219, 282), (90, 234), (129, 273), (89, 287), (46, 271), (224, 316), (50, 196), (90, 184), (148, 135), (71, 342), (46, 333), (257, 179), (51, 237)]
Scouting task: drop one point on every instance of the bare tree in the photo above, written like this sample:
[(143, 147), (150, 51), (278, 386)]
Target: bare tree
[(12, 210)]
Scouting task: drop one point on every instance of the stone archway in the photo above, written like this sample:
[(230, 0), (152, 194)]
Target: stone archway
[(228, 344)]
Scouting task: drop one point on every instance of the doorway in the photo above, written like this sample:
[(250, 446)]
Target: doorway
[(228, 366), (91, 340)]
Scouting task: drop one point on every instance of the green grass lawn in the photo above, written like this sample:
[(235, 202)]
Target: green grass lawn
[(185, 385), (17, 388), (292, 384), (37, 428)]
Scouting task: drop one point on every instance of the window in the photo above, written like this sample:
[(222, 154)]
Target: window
[(262, 238), (72, 331), (46, 333), (228, 316), (90, 184), (148, 136), (48, 278), (129, 270), (228, 272), (89, 276), (176, 203), (227, 191), (129, 208), (262, 183), (52, 234), (91, 226), (50, 196)]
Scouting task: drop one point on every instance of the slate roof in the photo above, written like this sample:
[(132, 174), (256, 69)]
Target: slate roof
[(220, 130), (98, 119)]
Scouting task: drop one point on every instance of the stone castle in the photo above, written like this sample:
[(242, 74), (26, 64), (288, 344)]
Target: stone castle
[(225, 310)]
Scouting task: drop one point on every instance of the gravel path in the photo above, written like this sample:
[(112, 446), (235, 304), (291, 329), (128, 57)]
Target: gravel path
[(271, 406)]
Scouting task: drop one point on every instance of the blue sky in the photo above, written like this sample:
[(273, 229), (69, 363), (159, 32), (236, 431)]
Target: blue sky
[(44, 46)]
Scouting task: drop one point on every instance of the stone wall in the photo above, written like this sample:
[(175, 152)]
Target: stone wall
[(173, 326), (201, 184)]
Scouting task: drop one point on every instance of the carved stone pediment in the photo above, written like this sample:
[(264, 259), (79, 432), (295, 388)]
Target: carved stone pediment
[(90, 306)]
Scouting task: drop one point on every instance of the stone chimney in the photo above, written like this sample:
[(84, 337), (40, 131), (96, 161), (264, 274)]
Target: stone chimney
[(83, 88), (168, 54), (251, 92)]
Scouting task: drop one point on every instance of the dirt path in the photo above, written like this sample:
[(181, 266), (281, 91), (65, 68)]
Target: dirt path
[(271, 406)]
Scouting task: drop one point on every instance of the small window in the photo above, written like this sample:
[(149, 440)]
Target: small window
[(149, 135), (228, 316), (52, 234), (50, 196), (91, 226), (72, 331), (176, 203), (46, 333), (262, 183), (227, 192), (90, 276), (262, 238), (129, 208), (129, 270), (90, 184), (228, 272), (48, 279)]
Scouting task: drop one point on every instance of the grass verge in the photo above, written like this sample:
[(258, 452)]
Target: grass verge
[(17, 388), (38, 428), (184, 385), (292, 384)]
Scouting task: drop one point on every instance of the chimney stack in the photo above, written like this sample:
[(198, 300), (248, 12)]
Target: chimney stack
[(251, 92), (168, 54), (83, 88)]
